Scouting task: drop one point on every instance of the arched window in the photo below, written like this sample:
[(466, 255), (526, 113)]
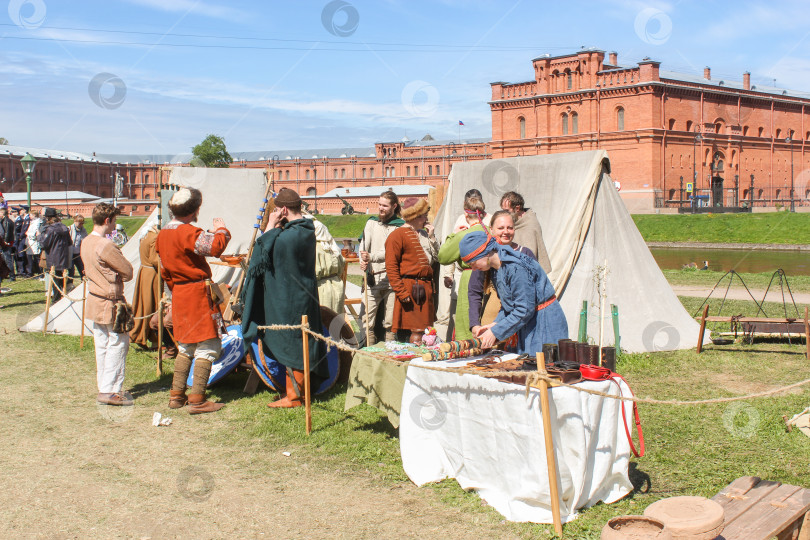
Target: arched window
[(745, 131), (671, 194), (565, 124), (574, 123), (334, 173), (760, 132), (745, 194), (312, 191), (778, 193), (287, 175), (437, 167), (364, 172), (620, 119), (778, 133), (306, 174), (759, 194), (343, 173), (522, 122), (671, 123), (688, 125), (371, 172)]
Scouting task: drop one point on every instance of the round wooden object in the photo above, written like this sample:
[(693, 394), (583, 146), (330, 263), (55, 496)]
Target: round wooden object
[(635, 528), (689, 518)]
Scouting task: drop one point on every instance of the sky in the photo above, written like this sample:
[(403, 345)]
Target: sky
[(157, 76)]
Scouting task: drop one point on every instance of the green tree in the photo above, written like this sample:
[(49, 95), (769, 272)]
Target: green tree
[(212, 152), (3, 140)]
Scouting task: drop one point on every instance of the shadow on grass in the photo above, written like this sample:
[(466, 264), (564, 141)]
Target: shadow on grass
[(641, 481), (157, 386)]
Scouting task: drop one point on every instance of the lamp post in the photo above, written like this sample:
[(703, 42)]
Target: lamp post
[(67, 184), (792, 205), (696, 140), (28, 163), (315, 183)]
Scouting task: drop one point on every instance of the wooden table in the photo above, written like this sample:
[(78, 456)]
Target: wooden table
[(759, 509)]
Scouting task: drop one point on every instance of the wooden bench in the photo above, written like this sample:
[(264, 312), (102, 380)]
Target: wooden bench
[(759, 509), (753, 324)]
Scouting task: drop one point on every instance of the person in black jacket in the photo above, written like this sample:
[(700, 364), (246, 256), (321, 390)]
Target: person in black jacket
[(7, 238), (55, 240)]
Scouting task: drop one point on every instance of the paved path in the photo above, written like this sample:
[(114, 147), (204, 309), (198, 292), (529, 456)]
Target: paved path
[(739, 293)]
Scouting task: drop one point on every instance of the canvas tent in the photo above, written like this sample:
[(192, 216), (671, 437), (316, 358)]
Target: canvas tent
[(235, 195), (585, 226)]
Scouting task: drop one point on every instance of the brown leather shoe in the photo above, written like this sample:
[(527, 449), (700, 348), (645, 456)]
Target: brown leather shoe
[(295, 392), (177, 399), (118, 399), (197, 404)]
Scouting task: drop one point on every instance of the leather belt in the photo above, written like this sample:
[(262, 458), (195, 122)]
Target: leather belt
[(547, 303), (189, 282), (417, 278), (597, 373)]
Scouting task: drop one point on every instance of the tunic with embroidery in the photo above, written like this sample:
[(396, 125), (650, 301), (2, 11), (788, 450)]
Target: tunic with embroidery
[(182, 249)]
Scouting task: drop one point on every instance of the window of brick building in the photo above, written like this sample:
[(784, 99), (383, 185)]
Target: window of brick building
[(760, 132), (574, 123), (147, 207), (407, 171), (569, 80), (565, 124), (343, 173), (437, 167), (671, 123), (522, 127), (286, 175), (416, 170), (306, 174), (363, 172), (312, 191), (334, 173), (371, 172), (688, 125), (430, 170), (745, 131), (620, 119)]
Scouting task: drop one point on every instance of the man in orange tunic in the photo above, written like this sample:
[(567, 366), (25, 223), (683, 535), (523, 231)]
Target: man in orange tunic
[(410, 252), (182, 248)]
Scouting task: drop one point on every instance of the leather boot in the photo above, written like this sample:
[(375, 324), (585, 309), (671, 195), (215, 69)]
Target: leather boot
[(295, 391), (177, 395), (177, 399), (197, 404), (372, 339), (390, 336)]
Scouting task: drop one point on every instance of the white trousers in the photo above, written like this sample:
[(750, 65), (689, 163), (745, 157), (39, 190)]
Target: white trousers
[(111, 355), (379, 293), (209, 349)]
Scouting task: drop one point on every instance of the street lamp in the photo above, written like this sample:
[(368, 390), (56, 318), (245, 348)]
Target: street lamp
[(28, 163), (790, 142), (696, 140), (67, 185)]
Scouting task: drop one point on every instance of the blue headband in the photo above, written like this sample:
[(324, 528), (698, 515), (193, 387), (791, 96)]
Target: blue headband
[(475, 245)]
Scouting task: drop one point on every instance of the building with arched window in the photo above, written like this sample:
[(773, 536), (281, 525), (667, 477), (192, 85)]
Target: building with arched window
[(642, 114)]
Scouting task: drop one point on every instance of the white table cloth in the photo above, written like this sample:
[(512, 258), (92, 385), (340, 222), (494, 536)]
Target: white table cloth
[(488, 436)]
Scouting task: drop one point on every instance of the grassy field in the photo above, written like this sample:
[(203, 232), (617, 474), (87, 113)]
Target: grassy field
[(708, 278), (693, 450), (131, 224), (345, 226), (767, 228)]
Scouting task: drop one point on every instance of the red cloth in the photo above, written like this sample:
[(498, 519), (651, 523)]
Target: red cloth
[(405, 256), (182, 252)]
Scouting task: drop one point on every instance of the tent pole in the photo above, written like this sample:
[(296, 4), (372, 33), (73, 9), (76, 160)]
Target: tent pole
[(551, 462), (307, 395), (256, 227), (48, 300), (583, 323), (614, 311)]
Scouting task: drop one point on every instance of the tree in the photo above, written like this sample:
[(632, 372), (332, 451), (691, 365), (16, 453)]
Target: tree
[(3, 140), (212, 152)]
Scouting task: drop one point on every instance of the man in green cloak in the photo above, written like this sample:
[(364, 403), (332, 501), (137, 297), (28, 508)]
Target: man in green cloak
[(279, 288)]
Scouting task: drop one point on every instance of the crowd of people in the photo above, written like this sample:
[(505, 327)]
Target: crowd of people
[(495, 271)]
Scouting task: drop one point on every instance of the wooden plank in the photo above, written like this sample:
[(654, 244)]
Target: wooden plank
[(804, 530), (715, 318), (741, 494), (352, 301), (771, 515)]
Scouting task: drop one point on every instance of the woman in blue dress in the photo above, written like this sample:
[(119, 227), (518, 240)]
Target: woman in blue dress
[(529, 305)]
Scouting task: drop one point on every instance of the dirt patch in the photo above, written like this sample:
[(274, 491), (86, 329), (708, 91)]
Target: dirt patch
[(74, 469), (741, 386)]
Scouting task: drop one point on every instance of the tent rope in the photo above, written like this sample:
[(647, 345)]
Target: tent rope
[(532, 377)]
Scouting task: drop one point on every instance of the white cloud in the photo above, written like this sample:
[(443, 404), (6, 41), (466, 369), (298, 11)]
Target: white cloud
[(194, 6)]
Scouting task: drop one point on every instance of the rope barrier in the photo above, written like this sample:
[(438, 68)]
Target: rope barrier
[(532, 377)]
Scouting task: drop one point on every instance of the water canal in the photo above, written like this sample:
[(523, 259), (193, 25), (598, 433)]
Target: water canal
[(794, 263)]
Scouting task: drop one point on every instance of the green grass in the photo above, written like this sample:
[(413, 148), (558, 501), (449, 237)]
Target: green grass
[(693, 450), (766, 228), (131, 224), (345, 226)]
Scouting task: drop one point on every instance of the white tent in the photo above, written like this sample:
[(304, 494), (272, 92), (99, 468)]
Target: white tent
[(234, 195), (585, 226)]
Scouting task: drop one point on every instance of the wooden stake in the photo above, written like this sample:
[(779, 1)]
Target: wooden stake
[(307, 400), (48, 300), (702, 329), (365, 292), (551, 461), (84, 303), (807, 333), (64, 282), (159, 367)]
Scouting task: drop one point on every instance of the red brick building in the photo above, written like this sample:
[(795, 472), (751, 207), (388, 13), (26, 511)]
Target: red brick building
[(655, 123), (662, 130)]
